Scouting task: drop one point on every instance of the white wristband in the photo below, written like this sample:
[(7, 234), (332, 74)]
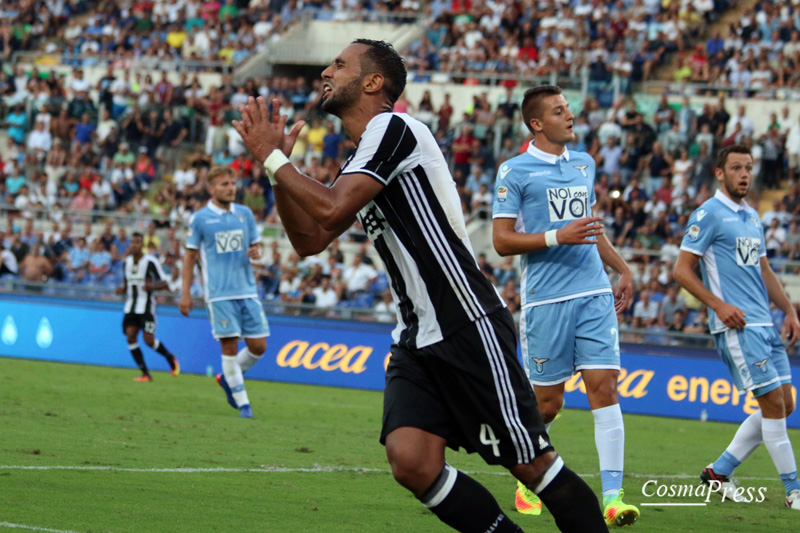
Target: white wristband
[(550, 238), (274, 161)]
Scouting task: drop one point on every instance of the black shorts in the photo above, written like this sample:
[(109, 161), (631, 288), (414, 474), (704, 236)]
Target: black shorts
[(469, 389), (145, 322)]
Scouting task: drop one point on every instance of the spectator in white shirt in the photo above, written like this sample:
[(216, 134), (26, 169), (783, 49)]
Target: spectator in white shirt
[(386, 310), (793, 148), (645, 309), (775, 237), (359, 276), (324, 295), (40, 141), (184, 177), (746, 122)]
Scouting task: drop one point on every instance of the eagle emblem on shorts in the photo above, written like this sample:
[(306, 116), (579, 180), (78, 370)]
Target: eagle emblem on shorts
[(539, 364), (582, 168), (224, 323), (762, 365)]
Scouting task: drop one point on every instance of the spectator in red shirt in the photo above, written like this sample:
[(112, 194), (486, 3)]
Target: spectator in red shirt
[(528, 51), (461, 149), (242, 165)]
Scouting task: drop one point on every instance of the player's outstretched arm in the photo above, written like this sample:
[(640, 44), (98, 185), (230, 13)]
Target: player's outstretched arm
[(189, 260), (685, 274), (623, 294), (776, 294), (507, 241)]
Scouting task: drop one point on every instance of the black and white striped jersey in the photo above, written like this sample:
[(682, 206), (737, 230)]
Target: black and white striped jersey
[(139, 301), (417, 227)]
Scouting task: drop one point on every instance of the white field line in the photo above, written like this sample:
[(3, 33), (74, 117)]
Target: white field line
[(34, 528), (322, 469)]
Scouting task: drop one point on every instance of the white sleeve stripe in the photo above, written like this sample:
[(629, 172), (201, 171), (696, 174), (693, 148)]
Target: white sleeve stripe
[(191, 246), (505, 215), (691, 250)]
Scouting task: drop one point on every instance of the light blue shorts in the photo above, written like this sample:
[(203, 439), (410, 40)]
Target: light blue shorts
[(756, 358), (564, 337), (243, 318)]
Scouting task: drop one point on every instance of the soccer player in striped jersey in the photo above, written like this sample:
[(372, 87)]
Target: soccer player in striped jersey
[(143, 276), (453, 378), (542, 211), (726, 239)]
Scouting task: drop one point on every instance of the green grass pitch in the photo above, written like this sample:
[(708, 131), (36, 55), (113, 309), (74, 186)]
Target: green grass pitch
[(85, 449)]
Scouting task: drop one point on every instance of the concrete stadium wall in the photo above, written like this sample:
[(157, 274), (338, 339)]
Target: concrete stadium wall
[(653, 381)]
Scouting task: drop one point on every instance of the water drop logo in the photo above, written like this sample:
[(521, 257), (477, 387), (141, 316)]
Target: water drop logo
[(9, 334), (44, 334)]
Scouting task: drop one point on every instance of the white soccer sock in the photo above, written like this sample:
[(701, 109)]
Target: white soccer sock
[(246, 359), (748, 437), (233, 375), (609, 437), (776, 439)]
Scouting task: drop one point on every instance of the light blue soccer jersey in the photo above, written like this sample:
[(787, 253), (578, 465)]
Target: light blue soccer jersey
[(545, 192), (729, 239), (223, 237)]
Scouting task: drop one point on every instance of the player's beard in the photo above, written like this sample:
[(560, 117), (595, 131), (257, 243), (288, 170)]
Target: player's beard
[(346, 97), (732, 186)]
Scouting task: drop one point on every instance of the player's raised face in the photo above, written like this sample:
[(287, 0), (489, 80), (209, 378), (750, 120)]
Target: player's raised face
[(341, 81), (223, 189), (737, 175), (555, 120)]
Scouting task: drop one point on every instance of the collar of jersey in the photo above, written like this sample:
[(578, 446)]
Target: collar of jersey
[(730, 204), (217, 210), (544, 156)]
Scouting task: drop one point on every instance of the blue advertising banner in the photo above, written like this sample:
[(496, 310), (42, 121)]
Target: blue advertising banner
[(340, 353)]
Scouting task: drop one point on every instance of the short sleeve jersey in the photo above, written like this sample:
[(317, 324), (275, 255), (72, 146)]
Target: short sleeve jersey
[(729, 239), (222, 238), (545, 192)]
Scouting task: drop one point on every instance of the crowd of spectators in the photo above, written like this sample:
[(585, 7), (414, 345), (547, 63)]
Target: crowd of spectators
[(139, 144), (567, 39), (759, 52)]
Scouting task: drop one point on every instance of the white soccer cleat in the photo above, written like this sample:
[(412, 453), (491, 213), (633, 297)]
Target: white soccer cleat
[(793, 500)]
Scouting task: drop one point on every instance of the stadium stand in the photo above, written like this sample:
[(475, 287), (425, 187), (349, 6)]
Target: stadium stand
[(113, 123)]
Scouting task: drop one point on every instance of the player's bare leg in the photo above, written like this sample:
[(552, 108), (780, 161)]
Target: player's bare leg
[(418, 464)]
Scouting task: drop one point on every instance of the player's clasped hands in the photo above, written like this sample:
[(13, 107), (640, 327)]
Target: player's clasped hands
[(579, 231), (263, 131)]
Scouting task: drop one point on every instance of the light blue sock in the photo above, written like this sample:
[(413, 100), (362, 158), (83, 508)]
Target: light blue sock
[(748, 437), (790, 482), (725, 464), (612, 484)]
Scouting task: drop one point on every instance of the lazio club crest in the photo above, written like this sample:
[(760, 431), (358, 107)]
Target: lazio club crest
[(582, 168)]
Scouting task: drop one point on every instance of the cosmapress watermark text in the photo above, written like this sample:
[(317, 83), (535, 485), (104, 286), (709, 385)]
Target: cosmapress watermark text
[(686, 495)]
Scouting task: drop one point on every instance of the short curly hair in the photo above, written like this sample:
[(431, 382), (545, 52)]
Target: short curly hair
[(384, 59)]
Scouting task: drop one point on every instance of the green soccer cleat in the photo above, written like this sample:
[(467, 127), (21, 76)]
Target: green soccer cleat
[(526, 501), (619, 513)]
